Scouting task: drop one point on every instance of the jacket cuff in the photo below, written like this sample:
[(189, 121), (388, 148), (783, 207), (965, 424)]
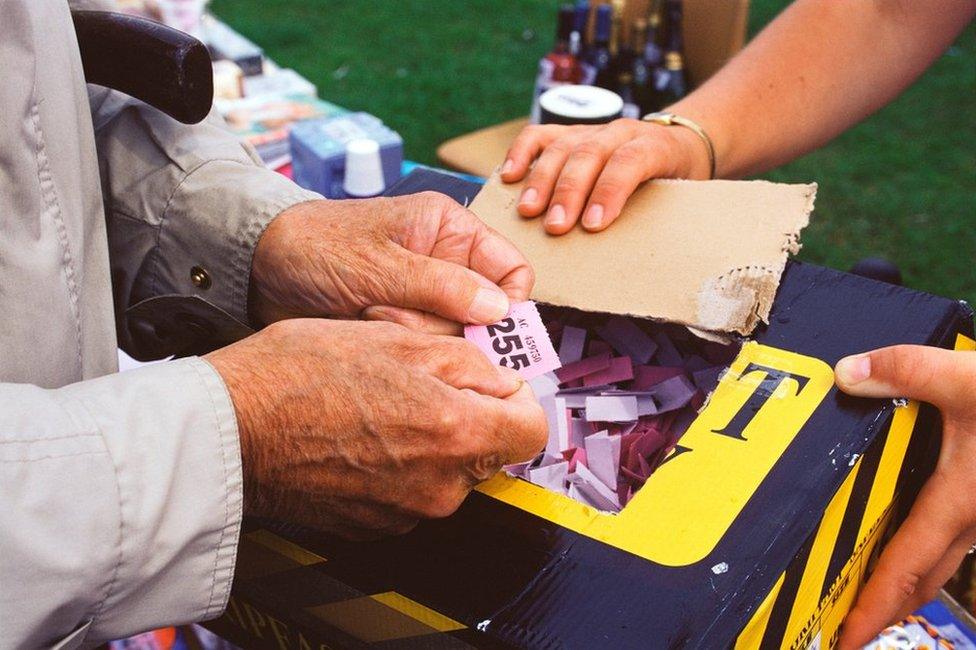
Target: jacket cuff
[(171, 430), (211, 257)]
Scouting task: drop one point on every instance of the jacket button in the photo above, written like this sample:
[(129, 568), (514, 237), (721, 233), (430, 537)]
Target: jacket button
[(199, 277)]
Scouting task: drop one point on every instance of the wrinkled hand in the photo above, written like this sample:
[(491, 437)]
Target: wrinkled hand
[(421, 260), (941, 527), (361, 429), (592, 170)]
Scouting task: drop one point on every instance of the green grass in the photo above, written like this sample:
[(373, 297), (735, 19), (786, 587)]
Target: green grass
[(901, 185)]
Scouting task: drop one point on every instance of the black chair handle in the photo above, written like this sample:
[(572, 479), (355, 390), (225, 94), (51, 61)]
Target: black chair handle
[(162, 66)]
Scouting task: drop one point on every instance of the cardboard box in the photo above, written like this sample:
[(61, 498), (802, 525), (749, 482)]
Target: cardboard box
[(757, 532)]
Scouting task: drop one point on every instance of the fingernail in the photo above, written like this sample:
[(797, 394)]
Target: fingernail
[(512, 377), (853, 370), (507, 167), (556, 216), (593, 217), (529, 196), (488, 306)]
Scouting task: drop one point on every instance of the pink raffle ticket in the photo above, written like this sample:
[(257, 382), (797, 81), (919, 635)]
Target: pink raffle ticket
[(519, 341)]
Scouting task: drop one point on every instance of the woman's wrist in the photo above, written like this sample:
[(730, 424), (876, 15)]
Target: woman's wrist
[(692, 108), (685, 151), (673, 120)]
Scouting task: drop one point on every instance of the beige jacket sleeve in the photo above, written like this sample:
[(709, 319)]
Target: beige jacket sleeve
[(185, 207), (120, 494), (120, 513), (181, 202)]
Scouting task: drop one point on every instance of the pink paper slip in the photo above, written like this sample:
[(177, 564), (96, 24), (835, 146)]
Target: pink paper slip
[(571, 344), (583, 367), (620, 369), (519, 341)]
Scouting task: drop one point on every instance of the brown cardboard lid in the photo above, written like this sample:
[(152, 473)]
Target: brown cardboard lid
[(706, 254)]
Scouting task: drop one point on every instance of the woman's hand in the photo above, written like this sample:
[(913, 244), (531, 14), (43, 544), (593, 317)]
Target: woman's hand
[(590, 171), (941, 527)]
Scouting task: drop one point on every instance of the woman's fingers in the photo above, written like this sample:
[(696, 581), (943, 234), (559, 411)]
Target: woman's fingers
[(628, 167), (583, 167), (528, 144), (588, 172), (940, 574), (541, 180), (908, 564)]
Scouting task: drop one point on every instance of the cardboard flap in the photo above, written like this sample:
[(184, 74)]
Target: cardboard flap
[(706, 254)]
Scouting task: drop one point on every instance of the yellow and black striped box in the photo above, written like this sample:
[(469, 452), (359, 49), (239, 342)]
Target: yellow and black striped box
[(756, 532)]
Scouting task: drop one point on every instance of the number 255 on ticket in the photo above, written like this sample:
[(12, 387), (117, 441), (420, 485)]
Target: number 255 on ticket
[(519, 341)]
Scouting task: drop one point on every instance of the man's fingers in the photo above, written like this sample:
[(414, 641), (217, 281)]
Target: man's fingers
[(516, 426), (523, 425), (461, 365), (628, 167), (419, 321), (438, 227), (912, 554), (498, 260), (929, 545), (527, 145), (448, 290), (940, 377)]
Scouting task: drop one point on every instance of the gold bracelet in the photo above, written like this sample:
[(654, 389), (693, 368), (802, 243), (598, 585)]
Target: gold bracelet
[(670, 119)]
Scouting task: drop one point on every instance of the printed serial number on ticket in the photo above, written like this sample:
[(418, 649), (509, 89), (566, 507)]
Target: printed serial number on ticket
[(519, 341)]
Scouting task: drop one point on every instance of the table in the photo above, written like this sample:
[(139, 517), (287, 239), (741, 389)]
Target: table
[(481, 151)]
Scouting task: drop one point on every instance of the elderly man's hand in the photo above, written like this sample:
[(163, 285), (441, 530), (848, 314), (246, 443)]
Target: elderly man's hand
[(421, 260), (362, 428), (941, 527)]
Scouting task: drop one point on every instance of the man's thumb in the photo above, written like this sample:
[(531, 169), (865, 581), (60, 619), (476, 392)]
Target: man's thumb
[(918, 372), (451, 291)]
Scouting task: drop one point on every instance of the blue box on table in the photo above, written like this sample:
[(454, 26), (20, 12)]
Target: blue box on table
[(318, 150)]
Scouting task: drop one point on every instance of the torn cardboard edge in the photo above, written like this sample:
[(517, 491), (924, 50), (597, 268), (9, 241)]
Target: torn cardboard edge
[(705, 254)]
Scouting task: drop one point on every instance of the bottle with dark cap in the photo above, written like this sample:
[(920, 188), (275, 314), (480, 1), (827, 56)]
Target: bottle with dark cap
[(600, 57), (565, 65), (581, 23), (559, 66), (579, 41), (653, 51), (618, 44), (629, 68), (671, 81), (643, 93)]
